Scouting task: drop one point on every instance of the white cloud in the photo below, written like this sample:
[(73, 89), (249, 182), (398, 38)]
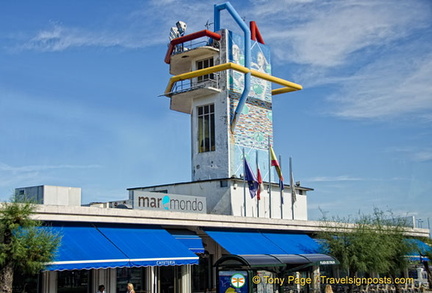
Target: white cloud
[(146, 26), (332, 42), (374, 55), (334, 179), (413, 153), (423, 156), (36, 168), (389, 87), (16, 176), (60, 38), (327, 33)]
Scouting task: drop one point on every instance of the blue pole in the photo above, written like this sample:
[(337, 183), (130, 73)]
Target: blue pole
[(247, 54)]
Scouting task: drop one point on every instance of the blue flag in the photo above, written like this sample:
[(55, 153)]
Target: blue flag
[(251, 179)]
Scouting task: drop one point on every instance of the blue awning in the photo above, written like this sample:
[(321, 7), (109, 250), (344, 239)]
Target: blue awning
[(420, 250), (257, 248), (150, 246), (91, 247), (189, 239), (256, 242), (85, 248), (294, 243), (244, 242)]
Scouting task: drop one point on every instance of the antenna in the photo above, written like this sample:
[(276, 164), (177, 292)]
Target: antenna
[(178, 30), (208, 23), (181, 26), (174, 33)]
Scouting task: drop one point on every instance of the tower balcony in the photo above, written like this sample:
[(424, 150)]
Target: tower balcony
[(198, 44), (185, 91)]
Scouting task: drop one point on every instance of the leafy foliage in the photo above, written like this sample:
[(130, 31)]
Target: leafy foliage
[(36, 246), (25, 246), (427, 254), (369, 244)]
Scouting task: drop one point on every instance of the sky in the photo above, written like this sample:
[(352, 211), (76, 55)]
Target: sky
[(81, 105)]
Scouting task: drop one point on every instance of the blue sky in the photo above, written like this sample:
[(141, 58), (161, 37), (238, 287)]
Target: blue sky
[(80, 104)]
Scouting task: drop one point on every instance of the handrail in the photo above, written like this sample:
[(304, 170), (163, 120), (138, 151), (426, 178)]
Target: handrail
[(190, 37), (288, 85)]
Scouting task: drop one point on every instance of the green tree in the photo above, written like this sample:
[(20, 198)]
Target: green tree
[(427, 253), (368, 244), (25, 246)]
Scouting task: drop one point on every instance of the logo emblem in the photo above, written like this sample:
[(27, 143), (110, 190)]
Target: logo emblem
[(166, 202), (238, 280)]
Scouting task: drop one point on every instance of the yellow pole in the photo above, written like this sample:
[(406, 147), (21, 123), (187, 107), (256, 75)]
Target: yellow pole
[(288, 85)]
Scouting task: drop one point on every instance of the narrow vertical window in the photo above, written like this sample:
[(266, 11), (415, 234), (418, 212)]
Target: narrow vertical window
[(206, 128), (204, 64)]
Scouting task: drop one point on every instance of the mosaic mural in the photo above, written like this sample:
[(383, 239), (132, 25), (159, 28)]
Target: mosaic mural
[(254, 130)]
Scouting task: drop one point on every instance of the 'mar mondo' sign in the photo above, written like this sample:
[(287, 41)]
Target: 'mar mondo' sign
[(169, 202)]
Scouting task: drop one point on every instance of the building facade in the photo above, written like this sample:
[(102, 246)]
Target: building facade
[(172, 251), (222, 229)]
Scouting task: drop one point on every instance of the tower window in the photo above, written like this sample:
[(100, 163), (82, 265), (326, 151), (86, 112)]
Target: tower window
[(204, 64), (206, 128)]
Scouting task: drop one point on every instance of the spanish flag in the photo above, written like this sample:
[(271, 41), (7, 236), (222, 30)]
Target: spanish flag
[(274, 162)]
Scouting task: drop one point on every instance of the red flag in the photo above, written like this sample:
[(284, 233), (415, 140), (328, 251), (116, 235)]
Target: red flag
[(260, 184)]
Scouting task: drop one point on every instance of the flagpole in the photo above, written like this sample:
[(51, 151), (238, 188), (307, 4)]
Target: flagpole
[(244, 184), (258, 183), (270, 185), (281, 189)]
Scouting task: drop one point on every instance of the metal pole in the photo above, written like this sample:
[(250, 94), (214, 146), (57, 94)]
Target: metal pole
[(281, 188), (292, 187), (244, 184), (258, 182), (429, 228), (270, 185)]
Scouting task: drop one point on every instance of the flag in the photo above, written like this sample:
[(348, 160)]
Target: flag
[(260, 184), (251, 180), (274, 162), (293, 189)]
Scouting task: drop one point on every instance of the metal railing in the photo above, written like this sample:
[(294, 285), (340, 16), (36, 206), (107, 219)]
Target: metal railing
[(181, 40), (190, 45), (193, 84)]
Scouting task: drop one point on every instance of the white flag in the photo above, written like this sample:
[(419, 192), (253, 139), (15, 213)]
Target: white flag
[(293, 189)]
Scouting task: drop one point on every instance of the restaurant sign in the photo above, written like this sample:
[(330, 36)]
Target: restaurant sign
[(169, 202)]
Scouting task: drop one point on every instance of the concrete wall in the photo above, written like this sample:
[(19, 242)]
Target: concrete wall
[(227, 197), (52, 195), (269, 206), (217, 194), (214, 164)]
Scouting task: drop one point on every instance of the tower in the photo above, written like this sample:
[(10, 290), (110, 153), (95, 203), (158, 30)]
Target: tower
[(223, 80)]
